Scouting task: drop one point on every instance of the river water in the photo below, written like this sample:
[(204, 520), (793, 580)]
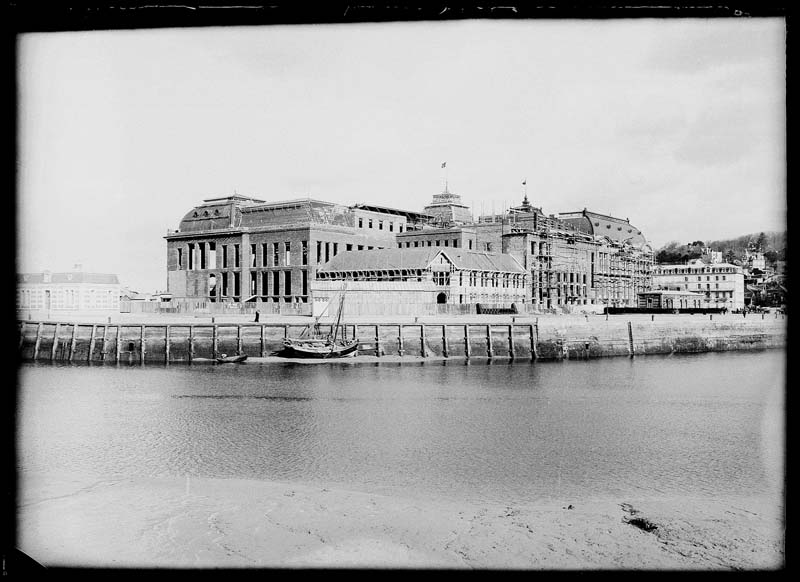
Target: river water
[(689, 425)]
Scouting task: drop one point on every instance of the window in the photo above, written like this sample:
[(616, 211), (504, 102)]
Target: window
[(276, 284), (361, 247), (252, 255), (287, 283), (236, 287), (349, 247), (360, 224), (400, 228), (446, 242), (287, 247), (370, 223), (235, 256), (305, 253), (275, 258), (224, 256), (455, 243), (327, 252), (470, 244), (391, 227), (212, 255), (437, 243), (416, 243), (180, 258), (429, 243), (191, 259), (335, 249), (380, 225), (319, 250)]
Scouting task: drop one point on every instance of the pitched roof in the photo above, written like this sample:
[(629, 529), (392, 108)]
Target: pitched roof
[(420, 258)]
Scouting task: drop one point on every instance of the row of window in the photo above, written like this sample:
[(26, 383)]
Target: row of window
[(690, 271), (66, 298), (201, 256), (708, 278), (273, 283), (370, 223)]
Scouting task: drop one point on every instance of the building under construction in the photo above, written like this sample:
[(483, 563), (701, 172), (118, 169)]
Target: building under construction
[(241, 249)]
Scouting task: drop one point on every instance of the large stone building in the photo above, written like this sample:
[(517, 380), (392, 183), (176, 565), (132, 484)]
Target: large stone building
[(70, 291), (722, 284), (242, 249)]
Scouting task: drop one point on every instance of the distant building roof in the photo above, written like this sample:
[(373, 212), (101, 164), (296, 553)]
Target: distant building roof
[(420, 258), (72, 277), (598, 224), (412, 216)]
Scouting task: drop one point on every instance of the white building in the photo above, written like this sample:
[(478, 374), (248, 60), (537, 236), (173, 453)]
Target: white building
[(721, 283), (73, 291)]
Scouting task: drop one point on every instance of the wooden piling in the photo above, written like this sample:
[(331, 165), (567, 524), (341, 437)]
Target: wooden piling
[(214, 341), (466, 342), (423, 351), (191, 342), (378, 340), (21, 334), (445, 349), (105, 339), (55, 342), (142, 342), (239, 339), (119, 343), (38, 340), (533, 334), (263, 342), (400, 339), (630, 339), (166, 344), (91, 343), (72, 341), (489, 349)]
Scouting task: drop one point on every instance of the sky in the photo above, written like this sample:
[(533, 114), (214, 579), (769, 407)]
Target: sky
[(676, 124)]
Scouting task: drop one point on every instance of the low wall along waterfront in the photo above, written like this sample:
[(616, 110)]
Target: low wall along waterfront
[(545, 338)]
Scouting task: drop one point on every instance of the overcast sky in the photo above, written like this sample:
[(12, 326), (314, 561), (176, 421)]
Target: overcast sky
[(678, 125)]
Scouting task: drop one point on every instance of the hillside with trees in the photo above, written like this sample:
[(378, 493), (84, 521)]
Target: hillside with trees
[(772, 244)]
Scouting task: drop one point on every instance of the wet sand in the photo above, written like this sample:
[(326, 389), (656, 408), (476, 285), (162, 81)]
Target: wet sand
[(221, 523)]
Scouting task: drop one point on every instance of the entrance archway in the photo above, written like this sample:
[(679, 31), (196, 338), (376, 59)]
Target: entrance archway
[(441, 298)]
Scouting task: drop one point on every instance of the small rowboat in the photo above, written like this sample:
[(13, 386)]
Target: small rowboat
[(294, 348), (225, 359)]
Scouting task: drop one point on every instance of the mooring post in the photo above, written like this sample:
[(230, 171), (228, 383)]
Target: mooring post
[(263, 343), (534, 334), (119, 343), (143, 342), (630, 339), (191, 343), (91, 343), (466, 341), (445, 350), (214, 341), (21, 334), (377, 340), (239, 339), (103, 350), (423, 351), (511, 341), (72, 341), (166, 344), (55, 342), (38, 340), (400, 339), (489, 349)]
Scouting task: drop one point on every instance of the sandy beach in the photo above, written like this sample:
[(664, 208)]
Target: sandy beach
[(220, 523)]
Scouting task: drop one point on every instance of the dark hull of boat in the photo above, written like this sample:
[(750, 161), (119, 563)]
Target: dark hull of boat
[(231, 360), (316, 350)]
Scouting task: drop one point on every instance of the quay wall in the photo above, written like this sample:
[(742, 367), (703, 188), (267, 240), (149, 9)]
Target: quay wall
[(545, 338)]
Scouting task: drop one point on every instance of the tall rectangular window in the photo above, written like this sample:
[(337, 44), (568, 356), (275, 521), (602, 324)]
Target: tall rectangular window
[(224, 256), (360, 222), (252, 255), (236, 285), (202, 247), (391, 227), (319, 251), (191, 256), (288, 252), (253, 279), (275, 258), (264, 284), (276, 284), (224, 284), (264, 254), (287, 283), (305, 252), (212, 255), (380, 225), (327, 252), (470, 244), (335, 249), (370, 223), (400, 228), (236, 256), (305, 283), (180, 258), (349, 247)]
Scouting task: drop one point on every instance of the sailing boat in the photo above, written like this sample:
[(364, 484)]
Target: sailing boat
[(322, 347)]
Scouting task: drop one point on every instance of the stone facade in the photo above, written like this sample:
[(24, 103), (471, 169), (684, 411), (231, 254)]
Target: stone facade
[(722, 284), (72, 291)]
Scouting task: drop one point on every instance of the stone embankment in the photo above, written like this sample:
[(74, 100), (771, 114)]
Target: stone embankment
[(502, 337)]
